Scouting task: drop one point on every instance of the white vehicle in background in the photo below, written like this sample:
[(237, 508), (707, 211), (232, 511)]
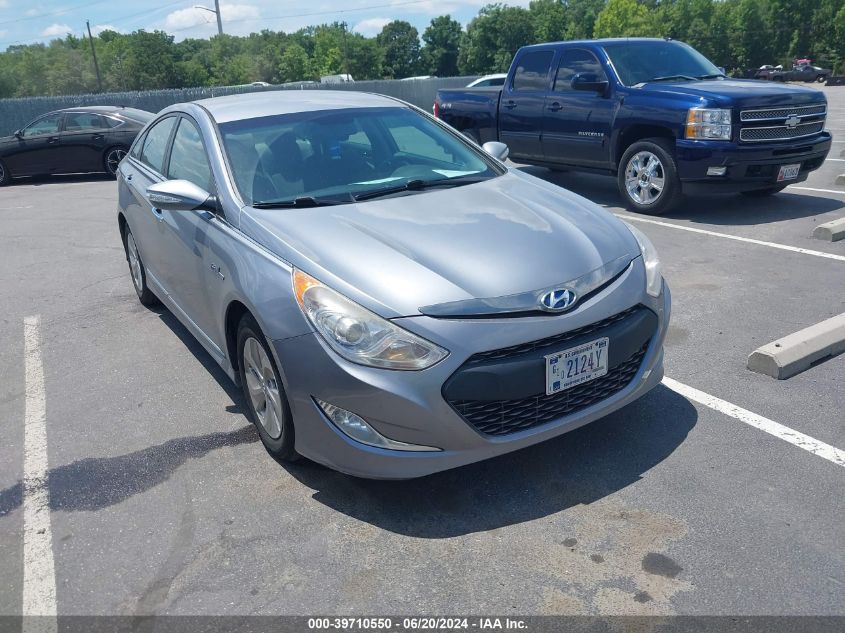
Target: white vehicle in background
[(337, 79), (418, 77), (487, 81)]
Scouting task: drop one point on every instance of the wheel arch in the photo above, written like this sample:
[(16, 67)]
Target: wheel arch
[(637, 132), (235, 311)]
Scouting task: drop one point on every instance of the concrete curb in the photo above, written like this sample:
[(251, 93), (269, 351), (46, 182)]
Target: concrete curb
[(840, 180), (830, 231), (796, 352)]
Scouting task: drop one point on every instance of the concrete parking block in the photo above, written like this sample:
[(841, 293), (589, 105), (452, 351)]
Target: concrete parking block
[(840, 180), (832, 231), (796, 352)]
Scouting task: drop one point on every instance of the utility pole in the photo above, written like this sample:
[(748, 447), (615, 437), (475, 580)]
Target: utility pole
[(216, 11), (94, 53)]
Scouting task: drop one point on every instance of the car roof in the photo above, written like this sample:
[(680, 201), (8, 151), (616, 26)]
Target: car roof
[(100, 109), (606, 40), (258, 104)]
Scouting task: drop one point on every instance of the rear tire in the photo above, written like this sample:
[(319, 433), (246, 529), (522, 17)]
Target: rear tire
[(5, 176), (762, 193), (648, 178), (136, 270), (111, 159), (264, 392)]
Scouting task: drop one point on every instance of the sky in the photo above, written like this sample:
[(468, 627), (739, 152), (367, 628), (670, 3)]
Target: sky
[(31, 21)]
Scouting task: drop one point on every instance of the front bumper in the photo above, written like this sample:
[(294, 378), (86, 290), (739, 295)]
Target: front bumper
[(410, 406), (750, 166)]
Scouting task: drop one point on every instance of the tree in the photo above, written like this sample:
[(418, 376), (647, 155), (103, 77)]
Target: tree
[(442, 39), (549, 19), (493, 37), (294, 64), (751, 40), (625, 18), (400, 43)]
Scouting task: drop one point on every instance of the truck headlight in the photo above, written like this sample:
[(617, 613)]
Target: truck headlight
[(653, 268), (708, 124), (359, 335)]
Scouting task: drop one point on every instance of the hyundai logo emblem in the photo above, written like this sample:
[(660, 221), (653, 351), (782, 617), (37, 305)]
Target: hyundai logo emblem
[(792, 121), (557, 300)]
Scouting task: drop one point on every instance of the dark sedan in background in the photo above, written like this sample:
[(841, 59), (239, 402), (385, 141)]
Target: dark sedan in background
[(75, 140)]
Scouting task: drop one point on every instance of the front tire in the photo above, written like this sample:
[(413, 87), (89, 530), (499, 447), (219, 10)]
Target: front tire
[(264, 392), (648, 178), (111, 159), (5, 175), (136, 270)]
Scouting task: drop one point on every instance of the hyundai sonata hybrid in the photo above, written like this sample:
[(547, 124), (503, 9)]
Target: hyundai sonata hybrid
[(393, 299)]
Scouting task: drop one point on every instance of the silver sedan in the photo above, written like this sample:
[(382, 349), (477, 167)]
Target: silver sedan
[(393, 299)]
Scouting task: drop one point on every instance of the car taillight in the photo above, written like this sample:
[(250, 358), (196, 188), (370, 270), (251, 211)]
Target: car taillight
[(436, 110)]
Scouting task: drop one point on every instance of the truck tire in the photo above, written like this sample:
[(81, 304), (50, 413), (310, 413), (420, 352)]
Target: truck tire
[(648, 178)]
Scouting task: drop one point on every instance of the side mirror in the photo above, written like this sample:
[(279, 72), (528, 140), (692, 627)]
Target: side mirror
[(589, 82), (497, 150), (19, 133), (180, 195)]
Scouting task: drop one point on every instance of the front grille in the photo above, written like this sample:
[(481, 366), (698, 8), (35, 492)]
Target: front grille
[(780, 132), (552, 341), (782, 113), (503, 417)]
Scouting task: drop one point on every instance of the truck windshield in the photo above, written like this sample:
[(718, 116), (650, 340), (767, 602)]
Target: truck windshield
[(344, 155), (641, 61)]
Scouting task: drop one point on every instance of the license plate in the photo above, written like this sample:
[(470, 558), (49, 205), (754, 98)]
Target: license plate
[(576, 365), (789, 172)]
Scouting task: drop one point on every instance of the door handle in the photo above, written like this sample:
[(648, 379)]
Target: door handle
[(555, 107), (52, 140), (98, 137), (510, 105)]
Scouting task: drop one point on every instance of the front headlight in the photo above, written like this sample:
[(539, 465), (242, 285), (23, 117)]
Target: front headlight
[(359, 335), (653, 269), (708, 124)]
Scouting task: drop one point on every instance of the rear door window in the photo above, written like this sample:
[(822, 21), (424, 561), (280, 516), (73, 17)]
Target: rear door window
[(155, 144), (532, 71), (76, 121)]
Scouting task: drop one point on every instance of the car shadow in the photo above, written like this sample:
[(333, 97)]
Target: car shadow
[(721, 209), (580, 467), (60, 179)]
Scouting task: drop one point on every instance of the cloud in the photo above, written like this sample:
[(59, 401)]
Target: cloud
[(96, 30), (184, 19), (56, 30), (371, 26)]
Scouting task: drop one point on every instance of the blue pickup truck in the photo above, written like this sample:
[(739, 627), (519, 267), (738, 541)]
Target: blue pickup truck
[(655, 113)]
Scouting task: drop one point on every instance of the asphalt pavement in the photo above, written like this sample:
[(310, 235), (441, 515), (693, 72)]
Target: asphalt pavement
[(163, 501)]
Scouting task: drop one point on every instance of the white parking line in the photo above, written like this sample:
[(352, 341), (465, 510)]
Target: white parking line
[(838, 160), (796, 438), (39, 576), (839, 191), (691, 229)]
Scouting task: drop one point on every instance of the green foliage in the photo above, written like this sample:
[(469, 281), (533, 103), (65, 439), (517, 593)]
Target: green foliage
[(400, 43), (737, 34), (442, 40), (626, 18)]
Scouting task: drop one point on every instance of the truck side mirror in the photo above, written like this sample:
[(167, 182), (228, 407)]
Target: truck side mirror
[(19, 133), (589, 82)]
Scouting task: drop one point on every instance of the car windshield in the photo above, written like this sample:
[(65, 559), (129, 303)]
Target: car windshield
[(340, 155), (638, 62)]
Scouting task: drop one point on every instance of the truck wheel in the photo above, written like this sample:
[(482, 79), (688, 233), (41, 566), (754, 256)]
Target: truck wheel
[(821, 79), (5, 176), (648, 179), (762, 193)]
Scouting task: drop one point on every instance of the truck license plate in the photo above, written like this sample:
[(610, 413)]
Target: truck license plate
[(576, 365), (789, 172)]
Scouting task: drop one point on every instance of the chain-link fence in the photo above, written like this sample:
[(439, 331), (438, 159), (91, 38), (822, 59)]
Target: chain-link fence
[(16, 113)]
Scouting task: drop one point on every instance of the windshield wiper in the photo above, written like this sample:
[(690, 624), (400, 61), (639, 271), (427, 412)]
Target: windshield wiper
[(303, 202), (716, 76), (670, 78), (418, 185)]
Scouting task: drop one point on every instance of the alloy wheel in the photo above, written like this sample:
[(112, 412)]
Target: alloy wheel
[(135, 263), (113, 159), (262, 387), (644, 178)]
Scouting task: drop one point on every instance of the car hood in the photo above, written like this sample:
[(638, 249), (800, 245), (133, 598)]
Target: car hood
[(504, 236), (740, 92)]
